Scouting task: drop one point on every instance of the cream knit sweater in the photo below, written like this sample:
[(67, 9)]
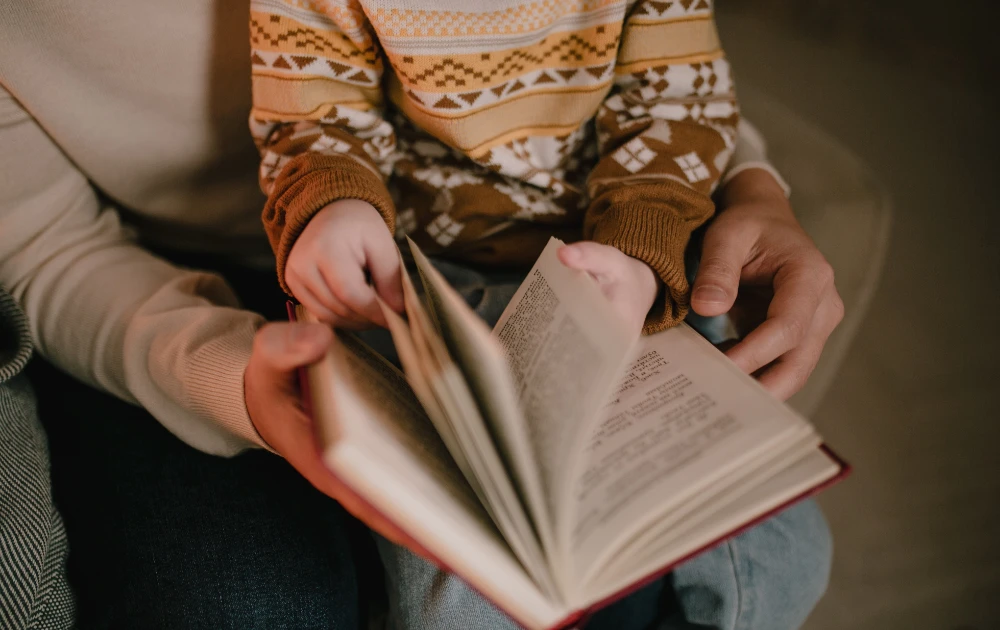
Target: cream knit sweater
[(122, 121)]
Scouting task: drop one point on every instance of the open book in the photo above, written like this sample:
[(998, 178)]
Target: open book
[(558, 461)]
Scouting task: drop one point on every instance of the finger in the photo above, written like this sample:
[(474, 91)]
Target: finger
[(282, 348), (386, 271), (343, 316), (724, 252), (347, 280), (300, 289), (307, 299), (796, 299), (594, 258), (279, 350), (312, 291), (791, 371), (298, 446), (320, 290)]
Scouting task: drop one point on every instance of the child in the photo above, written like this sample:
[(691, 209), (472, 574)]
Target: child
[(481, 128), (494, 129)]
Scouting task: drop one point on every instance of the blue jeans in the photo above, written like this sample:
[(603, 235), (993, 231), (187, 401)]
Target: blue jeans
[(768, 578), (165, 537)]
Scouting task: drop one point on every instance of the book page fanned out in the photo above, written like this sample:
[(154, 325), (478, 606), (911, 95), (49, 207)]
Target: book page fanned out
[(376, 440), (473, 443), (485, 368), (566, 348), (635, 445), (559, 460)]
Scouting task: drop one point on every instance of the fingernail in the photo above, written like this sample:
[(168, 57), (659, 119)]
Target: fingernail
[(710, 293), (569, 254)]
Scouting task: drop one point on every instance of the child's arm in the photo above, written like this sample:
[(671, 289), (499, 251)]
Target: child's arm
[(665, 134), (325, 149)]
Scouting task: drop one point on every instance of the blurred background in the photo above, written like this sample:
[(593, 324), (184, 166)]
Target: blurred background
[(906, 89)]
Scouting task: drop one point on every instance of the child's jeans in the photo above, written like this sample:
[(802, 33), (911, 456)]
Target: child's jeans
[(768, 578)]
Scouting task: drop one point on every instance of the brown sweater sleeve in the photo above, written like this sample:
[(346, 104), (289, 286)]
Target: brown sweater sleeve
[(308, 183), (317, 119), (665, 135)]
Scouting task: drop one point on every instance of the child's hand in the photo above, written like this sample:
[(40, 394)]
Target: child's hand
[(326, 267), (630, 284)]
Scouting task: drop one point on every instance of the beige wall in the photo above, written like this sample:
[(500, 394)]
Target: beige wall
[(958, 42)]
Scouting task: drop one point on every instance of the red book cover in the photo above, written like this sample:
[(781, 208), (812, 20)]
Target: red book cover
[(579, 619)]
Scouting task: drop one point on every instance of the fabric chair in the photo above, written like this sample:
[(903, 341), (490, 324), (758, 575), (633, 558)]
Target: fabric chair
[(843, 208)]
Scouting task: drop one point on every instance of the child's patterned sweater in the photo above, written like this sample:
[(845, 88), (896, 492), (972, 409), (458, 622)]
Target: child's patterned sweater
[(481, 127)]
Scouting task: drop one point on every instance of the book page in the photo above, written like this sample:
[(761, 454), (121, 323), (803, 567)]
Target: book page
[(749, 500), (566, 349), (461, 420), (344, 388), (726, 490), (417, 376), (681, 419), (485, 368), (376, 439)]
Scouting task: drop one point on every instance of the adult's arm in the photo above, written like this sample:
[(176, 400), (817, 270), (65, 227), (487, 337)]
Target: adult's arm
[(751, 154), (108, 312)]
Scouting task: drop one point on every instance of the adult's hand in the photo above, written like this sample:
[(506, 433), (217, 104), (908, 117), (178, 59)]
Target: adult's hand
[(273, 400), (759, 265)]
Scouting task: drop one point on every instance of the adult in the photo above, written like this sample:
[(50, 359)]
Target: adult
[(127, 167)]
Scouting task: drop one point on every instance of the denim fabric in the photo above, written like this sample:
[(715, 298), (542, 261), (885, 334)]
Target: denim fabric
[(166, 537), (767, 578)]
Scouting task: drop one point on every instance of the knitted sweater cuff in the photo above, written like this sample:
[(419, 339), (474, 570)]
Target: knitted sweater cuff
[(653, 223), (305, 186)]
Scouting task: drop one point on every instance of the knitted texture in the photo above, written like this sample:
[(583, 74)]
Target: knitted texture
[(478, 129)]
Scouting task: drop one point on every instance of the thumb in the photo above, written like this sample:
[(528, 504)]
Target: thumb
[(718, 279), (282, 348), (594, 258)]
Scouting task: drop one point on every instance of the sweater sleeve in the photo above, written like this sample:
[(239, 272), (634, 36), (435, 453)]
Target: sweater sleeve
[(109, 313), (751, 153), (665, 134), (317, 115)]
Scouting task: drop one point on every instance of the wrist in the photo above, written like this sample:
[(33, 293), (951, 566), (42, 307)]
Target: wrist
[(754, 185), (650, 284), (349, 206)]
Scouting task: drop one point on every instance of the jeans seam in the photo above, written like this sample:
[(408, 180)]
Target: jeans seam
[(730, 546)]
